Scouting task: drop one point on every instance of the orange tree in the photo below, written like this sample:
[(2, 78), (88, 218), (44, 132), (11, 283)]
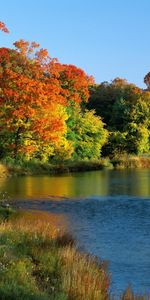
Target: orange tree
[(32, 116)]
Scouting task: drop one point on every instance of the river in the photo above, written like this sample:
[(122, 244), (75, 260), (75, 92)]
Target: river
[(108, 212)]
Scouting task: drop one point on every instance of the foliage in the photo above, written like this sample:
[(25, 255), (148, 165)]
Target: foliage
[(88, 135), (31, 114)]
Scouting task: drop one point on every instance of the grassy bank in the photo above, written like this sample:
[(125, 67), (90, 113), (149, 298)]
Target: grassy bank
[(10, 167), (38, 262)]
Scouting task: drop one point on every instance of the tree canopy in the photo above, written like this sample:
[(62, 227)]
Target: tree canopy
[(125, 109)]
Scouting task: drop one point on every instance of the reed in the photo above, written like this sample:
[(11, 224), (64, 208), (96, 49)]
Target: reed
[(130, 162)]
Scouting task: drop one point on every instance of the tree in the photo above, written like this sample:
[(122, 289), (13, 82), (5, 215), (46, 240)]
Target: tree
[(87, 134), (103, 98), (31, 115)]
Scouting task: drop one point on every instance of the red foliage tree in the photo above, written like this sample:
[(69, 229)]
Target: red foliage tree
[(29, 98)]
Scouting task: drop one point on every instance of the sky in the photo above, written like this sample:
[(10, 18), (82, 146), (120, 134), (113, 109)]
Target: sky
[(106, 38)]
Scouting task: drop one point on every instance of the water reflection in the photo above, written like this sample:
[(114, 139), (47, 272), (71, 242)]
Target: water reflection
[(106, 182)]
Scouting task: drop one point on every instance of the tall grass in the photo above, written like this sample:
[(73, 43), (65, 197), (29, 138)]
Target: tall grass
[(84, 277), (125, 161), (39, 262), (10, 166), (130, 295)]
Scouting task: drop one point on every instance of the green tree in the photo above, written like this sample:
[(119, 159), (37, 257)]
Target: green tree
[(126, 110), (87, 133)]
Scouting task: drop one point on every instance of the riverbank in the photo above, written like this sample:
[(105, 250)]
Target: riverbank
[(39, 168), (20, 168), (39, 262)]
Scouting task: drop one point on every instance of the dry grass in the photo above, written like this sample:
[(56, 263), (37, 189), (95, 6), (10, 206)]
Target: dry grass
[(130, 295), (130, 162), (83, 277)]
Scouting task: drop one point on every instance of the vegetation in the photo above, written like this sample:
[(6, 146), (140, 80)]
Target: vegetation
[(125, 161), (38, 262), (34, 167)]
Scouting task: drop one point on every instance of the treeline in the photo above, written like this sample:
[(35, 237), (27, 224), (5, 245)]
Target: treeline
[(125, 109), (54, 112)]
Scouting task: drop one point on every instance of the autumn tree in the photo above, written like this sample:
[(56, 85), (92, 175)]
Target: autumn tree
[(32, 116)]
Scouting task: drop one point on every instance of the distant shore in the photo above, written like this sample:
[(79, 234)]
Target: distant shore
[(17, 168)]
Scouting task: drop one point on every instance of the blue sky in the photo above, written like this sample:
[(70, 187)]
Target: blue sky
[(106, 38)]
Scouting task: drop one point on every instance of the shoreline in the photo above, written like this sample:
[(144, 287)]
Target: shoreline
[(24, 168), (40, 262)]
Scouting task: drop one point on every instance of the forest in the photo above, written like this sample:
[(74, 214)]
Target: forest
[(52, 112)]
